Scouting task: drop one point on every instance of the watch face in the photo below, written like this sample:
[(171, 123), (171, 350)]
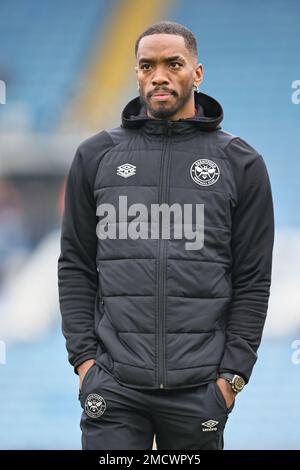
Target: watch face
[(238, 383)]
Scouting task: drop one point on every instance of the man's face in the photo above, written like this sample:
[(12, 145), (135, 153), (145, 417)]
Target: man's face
[(166, 72)]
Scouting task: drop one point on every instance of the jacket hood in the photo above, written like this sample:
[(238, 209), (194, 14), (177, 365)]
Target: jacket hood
[(208, 117)]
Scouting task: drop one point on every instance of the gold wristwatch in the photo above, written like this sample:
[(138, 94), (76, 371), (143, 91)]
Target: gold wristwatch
[(236, 381)]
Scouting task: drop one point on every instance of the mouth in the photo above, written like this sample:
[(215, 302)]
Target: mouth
[(161, 96)]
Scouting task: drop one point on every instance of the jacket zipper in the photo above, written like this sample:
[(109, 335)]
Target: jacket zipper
[(162, 263)]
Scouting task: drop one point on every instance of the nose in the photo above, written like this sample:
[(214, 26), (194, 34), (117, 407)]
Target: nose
[(159, 77)]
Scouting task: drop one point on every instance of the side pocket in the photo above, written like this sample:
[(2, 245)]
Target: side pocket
[(99, 309), (81, 389), (222, 399), (100, 293)]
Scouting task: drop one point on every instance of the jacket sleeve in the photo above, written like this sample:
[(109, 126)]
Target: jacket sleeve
[(252, 246), (77, 269)]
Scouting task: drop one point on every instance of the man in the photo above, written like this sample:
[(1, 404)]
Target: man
[(164, 337)]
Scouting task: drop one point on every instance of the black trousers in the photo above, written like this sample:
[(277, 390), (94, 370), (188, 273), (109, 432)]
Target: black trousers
[(118, 417)]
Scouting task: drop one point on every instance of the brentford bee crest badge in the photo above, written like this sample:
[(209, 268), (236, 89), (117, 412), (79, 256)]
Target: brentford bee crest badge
[(205, 172), (94, 405)]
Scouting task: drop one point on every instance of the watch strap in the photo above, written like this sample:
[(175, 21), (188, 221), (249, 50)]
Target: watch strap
[(227, 376)]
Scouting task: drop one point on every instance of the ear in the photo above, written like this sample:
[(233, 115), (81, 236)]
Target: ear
[(198, 74)]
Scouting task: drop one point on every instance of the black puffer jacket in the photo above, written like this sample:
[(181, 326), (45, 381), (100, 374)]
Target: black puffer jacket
[(152, 313)]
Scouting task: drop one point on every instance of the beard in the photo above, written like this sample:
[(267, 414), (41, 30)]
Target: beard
[(163, 110)]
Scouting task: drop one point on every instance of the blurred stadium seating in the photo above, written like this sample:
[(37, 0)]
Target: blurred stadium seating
[(45, 49), (53, 56)]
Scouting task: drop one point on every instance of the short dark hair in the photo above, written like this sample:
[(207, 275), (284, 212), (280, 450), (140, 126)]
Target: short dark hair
[(170, 27)]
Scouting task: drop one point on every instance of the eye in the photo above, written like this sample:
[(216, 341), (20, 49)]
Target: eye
[(145, 66), (174, 65)]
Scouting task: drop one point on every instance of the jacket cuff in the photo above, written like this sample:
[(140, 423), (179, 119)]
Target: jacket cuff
[(82, 359), (239, 358)]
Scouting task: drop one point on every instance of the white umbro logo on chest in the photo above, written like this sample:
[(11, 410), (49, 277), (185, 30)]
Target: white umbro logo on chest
[(126, 170)]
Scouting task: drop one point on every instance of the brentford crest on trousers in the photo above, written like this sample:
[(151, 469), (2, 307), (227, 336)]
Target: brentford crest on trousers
[(94, 405)]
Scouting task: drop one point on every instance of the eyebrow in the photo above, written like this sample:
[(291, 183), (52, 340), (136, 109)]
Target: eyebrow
[(167, 59)]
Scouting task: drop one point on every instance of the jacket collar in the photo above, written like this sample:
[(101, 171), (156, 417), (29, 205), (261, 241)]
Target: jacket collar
[(208, 118)]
